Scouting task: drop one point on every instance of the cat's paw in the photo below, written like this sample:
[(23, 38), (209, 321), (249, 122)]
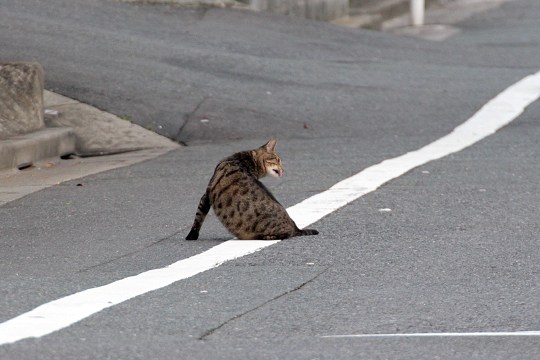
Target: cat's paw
[(193, 235), (307, 232)]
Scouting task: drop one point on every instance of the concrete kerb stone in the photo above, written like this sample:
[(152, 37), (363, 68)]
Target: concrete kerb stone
[(98, 132), (190, 3), (80, 129), (38, 128), (24, 150), (23, 137), (92, 129), (21, 98), (350, 13), (373, 14), (324, 10), (394, 16)]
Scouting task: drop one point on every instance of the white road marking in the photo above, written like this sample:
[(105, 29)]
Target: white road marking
[(63, 312), (495, 114), (449, 334)]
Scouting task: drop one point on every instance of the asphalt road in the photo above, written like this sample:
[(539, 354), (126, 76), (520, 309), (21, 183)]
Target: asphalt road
[(458, 252)]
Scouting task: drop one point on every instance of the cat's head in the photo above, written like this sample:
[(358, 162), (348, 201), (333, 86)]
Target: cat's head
[(268, 161)]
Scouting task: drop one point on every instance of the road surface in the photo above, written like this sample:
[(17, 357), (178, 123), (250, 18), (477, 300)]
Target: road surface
[(448, 248)]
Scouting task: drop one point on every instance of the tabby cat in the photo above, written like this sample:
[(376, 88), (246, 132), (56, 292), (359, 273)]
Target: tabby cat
[(242, 203)]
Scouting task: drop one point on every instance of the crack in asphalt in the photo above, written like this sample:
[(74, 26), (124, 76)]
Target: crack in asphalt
[(213, 330), (131, 252), (187, 118)]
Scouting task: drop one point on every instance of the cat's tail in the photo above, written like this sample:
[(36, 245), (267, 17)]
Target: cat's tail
[(306, 232)]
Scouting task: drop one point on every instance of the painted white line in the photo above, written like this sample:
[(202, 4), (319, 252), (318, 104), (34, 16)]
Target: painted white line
[(58, 314), (450, 334), (63, 312), (495, 114)]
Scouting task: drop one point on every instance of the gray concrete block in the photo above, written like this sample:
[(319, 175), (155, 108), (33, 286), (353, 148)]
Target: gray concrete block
[(98, 132), (323, 10), (188, 3), (24, 150), (21, 98)]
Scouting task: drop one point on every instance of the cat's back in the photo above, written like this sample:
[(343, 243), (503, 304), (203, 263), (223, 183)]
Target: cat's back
[(230, 174)]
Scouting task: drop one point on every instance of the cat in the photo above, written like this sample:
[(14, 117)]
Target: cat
[(242, 203)]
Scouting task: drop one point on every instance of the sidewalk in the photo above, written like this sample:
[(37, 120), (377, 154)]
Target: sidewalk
[(102, 141), (372, 14), (394, 16)]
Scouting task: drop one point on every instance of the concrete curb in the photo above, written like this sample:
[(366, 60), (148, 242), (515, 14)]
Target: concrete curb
[(23, 136), (360, 15), (80, 129), (21, 98), (374, 15), (190, 3), (98, 132), (23, 151), (323, 10), (38, 154)]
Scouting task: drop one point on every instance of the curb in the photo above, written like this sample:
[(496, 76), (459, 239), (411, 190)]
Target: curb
[(76, 129), (189, 3), (23, 151), (98, 132), (373, 16)]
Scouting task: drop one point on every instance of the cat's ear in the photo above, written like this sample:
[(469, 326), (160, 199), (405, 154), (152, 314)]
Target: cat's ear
[(270, 146)]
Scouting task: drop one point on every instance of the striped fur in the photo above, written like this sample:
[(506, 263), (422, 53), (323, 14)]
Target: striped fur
[(242, 203)]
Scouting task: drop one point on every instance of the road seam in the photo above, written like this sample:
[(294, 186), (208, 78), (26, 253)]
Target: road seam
[(213, 330)]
